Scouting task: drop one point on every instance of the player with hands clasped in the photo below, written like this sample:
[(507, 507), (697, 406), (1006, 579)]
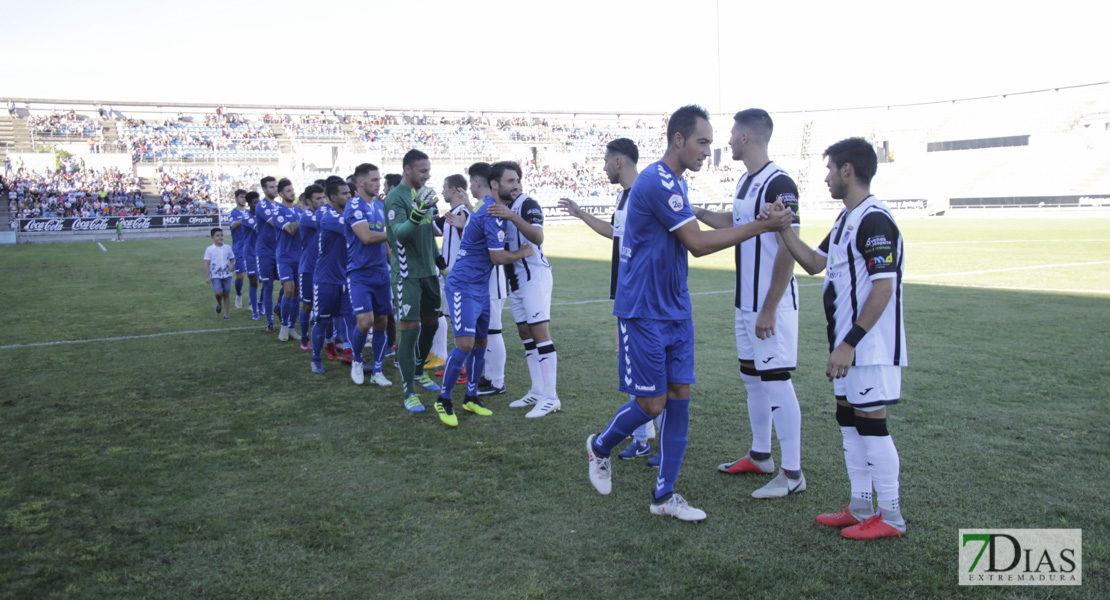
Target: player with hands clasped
[(864, 266)]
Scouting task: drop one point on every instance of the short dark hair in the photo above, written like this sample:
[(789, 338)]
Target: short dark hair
[(313, 189), (320, 182), (412, 157), (496, 170), (457, 181), (757, 119), (284, 183), (265, 180), (857, 151), (214, 230), (624, 147), (332, 185), (364, 169), (352, 188), (238, 193), (479, 169), (252, 195), (685, 121), (393, 180)]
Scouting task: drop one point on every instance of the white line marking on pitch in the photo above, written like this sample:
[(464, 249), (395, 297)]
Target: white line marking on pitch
[(1030, 268), (102, 246), (124, 337), (1005, 242), (580, 302)]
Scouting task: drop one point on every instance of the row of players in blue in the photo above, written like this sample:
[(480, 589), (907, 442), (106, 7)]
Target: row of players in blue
[(331, 249)]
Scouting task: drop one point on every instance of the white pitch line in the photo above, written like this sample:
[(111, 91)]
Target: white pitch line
[(580, 302), (102, 246), (1030, 268), (1006, 242), (124, 337)]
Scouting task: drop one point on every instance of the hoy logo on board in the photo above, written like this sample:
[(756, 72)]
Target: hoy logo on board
[(1021, 557)]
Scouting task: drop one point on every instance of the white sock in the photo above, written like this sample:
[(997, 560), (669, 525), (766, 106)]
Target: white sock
[(439, 342), (495, 359), (788, 421), (549, 367), (885, 467), (531, 357), (859, 474), (759, 413)]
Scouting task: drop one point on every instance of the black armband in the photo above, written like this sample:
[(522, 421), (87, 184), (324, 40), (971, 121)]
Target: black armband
[(855, 335)]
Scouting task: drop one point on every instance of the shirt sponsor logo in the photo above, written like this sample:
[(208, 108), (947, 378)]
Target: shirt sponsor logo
[(879, 261), (877, 241)]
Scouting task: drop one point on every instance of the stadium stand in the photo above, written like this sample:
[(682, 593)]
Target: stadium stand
[(937, 155)]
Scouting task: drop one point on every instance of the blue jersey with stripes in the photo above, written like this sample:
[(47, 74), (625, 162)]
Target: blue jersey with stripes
[(652, 271), (368, 263), (331, 264), (238, 234), (483, 232), (309, 233), (288, 248), (266, 244)]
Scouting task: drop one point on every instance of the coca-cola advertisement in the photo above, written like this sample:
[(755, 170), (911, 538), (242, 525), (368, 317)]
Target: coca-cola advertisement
[(109, 223)]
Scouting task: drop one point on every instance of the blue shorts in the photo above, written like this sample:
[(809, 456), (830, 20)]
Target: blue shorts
[(654, 353), (240, 264), (330, 300), (287, 272), (469, 312), (221, 285), (366, 297), (304, 287), (267, 269), (250, 263)]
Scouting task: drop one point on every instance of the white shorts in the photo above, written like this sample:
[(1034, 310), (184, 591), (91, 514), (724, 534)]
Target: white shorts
[(531, 303), (496, 307), (776, 353), (870, 387)]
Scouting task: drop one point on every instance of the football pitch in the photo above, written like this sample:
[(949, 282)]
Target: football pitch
[(210, 463)]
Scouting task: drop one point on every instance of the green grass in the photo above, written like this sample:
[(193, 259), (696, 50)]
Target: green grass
[(216, 465)]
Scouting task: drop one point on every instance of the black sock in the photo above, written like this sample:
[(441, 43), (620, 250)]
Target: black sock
[(791, 474), (759, 455)]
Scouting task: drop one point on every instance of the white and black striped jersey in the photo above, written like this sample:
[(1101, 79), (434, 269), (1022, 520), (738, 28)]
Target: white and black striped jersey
[(452, 237), (755, 257), (498, 287), (865, 245), (617, 221), (524, 269)]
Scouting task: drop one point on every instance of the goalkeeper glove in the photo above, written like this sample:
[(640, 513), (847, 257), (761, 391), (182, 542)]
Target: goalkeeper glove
[(425, 200)]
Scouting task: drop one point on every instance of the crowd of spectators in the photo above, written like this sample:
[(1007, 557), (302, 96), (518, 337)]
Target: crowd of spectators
[(197, 191), (547, 184), (312, 126), (181, 140), (64, 124), (79, 193)]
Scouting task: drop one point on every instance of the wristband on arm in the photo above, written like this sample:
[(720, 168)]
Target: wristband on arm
[(855, 335)]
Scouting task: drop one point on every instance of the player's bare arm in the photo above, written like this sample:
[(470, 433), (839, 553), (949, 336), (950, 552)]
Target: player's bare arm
[(702, 242), (780, 278), (530, 232), (362, 231), (572, 208), (842, 357), (716, 220), (504, 257), (807, 257), (292, 228)]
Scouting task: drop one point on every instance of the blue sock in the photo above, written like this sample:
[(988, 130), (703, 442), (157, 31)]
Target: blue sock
[(674, 424), (238, 287), (629, 416), (318, 337), (253, 294), (305, 318), (474, 367), (330, 332), (358, 342), (347, 327), (292, 310), (455, 360), (378, 343), (265, 301)]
